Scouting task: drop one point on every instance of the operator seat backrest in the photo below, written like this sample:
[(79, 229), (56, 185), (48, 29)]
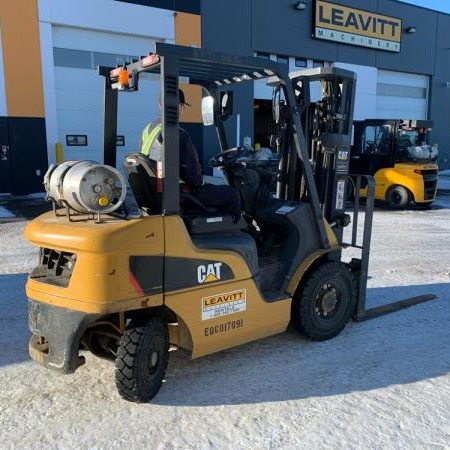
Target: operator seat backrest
[(142, 177), (247, 181)]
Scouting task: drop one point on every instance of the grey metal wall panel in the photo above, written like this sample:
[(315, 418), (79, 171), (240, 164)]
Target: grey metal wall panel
[(440, 93), (418, 49), (277, 27), (356, 55), (226, 26)]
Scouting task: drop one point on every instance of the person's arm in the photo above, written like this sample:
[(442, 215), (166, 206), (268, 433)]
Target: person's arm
[(190, 168)]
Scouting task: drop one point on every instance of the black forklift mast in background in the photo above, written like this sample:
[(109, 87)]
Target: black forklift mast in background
[(324, 132), (328, 125)]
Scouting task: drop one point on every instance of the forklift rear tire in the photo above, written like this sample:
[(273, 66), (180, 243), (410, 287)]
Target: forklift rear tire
[(141, 361), (324, 305), (397, 197)]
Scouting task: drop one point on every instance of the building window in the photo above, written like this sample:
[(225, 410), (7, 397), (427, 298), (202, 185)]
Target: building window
[(65, 57), (84, 59), (263, 55), (376, 139), (396, 90), (110, 60), (283, 59), (301, 62), (318, 64)]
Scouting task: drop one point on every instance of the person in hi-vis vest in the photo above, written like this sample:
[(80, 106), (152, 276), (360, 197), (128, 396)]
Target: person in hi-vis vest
[(223, 197)]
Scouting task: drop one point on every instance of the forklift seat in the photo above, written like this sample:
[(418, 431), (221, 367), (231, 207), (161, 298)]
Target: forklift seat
[(142, 177), (141, 174)]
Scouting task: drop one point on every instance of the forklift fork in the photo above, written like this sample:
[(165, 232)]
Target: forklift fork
[(361, 312)]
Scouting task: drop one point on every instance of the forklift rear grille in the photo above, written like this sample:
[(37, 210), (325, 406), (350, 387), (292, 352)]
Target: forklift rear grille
[(54, 267), (430, 178)]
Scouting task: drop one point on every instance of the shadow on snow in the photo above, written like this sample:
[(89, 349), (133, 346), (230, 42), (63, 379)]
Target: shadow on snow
[(399, 348)]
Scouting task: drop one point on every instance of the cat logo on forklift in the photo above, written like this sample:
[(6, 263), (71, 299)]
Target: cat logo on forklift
[(343, 155), (208, 273)]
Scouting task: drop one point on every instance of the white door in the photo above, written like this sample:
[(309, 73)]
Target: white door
[(79, 91), (401, 95)]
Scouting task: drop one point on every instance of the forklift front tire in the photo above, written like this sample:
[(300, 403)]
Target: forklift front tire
[(326, 302), (141, 361), (397, 197)]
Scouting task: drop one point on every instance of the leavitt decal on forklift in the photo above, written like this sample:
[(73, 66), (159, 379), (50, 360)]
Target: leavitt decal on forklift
[(208, 273), (224, 304)]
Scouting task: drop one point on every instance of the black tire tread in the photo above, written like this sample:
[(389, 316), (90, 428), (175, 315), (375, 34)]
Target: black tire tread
[(400, 190), (300, 317), (128, 359)]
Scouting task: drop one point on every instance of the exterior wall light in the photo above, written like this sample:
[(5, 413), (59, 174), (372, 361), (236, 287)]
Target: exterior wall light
[(300, 6), (411, 30)]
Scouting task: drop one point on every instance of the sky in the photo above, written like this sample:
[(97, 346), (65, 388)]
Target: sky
[(438, 5)]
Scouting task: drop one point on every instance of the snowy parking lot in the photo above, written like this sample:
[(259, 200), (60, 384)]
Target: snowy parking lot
[(384, 383)]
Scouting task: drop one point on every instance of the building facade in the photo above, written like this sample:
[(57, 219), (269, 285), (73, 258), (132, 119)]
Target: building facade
[(399, 52), (51, 95)]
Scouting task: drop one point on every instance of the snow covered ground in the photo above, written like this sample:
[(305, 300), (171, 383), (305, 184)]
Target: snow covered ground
[(383, 384)]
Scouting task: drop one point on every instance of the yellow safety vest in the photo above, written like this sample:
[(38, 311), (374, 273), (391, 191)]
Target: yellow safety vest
[(148, 137)]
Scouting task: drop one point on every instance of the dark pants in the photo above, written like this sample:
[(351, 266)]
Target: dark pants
[(223, 197)]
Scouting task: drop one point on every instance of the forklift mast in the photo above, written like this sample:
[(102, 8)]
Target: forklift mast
[(325, 98)]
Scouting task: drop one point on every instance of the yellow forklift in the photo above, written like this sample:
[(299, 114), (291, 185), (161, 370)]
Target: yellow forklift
[(129, 273), (396, 154)]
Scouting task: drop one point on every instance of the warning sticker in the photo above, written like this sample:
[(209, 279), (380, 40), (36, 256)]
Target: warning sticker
[(340, 193), (224, 304)]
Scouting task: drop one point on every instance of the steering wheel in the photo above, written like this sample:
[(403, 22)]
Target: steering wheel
[(227, 157)]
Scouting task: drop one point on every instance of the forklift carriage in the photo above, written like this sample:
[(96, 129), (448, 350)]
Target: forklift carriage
[(130, 275)]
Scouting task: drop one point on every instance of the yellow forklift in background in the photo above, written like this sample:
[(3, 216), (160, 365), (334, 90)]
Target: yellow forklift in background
[(127, 274), (396, 154)]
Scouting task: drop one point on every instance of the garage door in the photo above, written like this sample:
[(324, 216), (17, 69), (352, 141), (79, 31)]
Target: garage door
[(79, 92), (401, 95)]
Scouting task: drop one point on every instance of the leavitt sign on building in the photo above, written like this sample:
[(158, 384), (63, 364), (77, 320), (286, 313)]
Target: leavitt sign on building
[(356, 27)]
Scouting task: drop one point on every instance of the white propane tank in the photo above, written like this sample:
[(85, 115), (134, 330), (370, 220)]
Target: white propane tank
[(86, 186), (423, 152), (53, 179)]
